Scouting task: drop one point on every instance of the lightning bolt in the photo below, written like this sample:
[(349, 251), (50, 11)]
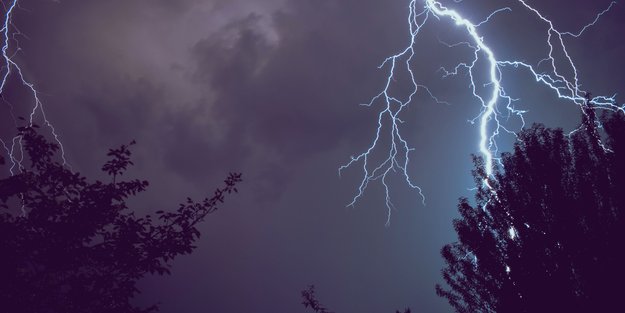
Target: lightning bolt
[(10, 68), (495, 103)]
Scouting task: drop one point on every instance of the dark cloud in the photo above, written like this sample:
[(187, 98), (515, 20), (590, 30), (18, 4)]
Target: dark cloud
[(292, 93)]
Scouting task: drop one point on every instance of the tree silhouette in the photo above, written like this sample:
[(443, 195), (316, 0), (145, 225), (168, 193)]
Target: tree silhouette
[(548, 236), (70, 245), (309, 300)]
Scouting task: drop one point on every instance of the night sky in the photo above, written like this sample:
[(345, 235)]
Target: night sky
[(271, 88)]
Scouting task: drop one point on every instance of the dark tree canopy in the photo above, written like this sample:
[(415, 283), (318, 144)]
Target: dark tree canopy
[(71, 245), (309, 300), (549, 235)]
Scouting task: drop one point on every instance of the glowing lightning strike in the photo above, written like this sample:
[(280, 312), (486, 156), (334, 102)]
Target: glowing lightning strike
[(397, 157), (10, 48)]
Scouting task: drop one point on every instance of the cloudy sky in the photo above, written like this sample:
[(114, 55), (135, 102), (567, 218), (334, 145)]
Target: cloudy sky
[(271, 88)]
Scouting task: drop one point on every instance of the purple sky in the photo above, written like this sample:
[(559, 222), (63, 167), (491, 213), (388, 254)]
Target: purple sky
[(271, 88)]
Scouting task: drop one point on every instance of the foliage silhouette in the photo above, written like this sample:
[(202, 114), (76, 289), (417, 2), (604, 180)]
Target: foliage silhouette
[(310, 301), (549, 235), (70, 245)]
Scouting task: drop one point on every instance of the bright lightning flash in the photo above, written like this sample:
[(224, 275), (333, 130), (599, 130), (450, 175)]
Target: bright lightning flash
[(495, 103), (10, 68)]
